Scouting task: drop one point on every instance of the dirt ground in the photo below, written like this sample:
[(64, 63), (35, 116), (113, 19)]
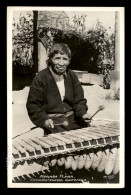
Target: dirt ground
[(94, 94), (97, 96)]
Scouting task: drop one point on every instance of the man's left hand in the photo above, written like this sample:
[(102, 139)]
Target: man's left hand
[(87, 117)]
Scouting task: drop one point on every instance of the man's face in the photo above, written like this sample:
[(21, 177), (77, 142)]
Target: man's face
[(59, 63)]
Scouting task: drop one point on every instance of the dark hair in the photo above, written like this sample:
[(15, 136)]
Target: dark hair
[(61, 48)]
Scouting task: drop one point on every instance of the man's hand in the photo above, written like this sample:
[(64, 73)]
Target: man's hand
[(87, 117), (49, 123)]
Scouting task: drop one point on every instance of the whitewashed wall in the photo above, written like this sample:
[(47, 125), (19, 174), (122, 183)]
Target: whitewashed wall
[(42, 57)]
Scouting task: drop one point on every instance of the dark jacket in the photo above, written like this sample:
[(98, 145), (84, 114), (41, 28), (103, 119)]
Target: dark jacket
[(44, 97)]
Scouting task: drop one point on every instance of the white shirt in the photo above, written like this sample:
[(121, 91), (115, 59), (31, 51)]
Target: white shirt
[(60, 83)]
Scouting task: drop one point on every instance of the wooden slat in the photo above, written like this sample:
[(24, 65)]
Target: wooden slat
[(33, 144), (48, 141), (41, 143), (109, 127), (114, 122), (88, 138), (19, 147), (14, 151), (79, 135), (98, 135), (91, 136), (107, 130), (27, 146), (59, 137), (55, 140), (103, 128), (72, 137), (101, 133)]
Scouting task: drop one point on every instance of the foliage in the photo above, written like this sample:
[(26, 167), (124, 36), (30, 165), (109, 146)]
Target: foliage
[(111, 95), (78, 23), (117, 95), (22, 39), (104, 43)]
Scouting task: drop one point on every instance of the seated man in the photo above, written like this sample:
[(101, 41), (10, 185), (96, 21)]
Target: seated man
[(56, 95)]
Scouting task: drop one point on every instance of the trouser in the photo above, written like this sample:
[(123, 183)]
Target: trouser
[(73, 124)]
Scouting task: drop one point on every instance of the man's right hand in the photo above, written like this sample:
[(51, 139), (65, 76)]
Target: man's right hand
[(49, 123)]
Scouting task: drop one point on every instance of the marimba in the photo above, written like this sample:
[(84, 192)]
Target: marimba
[(96, 147)]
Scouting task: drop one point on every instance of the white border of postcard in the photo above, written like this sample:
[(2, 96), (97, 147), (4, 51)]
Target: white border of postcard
[(121, 184)]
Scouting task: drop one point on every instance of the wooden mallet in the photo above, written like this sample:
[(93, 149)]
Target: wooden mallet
[(64, 123), (101, 107)]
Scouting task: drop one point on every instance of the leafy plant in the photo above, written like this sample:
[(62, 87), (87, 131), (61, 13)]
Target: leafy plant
[(117, 95), (22, 39)]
